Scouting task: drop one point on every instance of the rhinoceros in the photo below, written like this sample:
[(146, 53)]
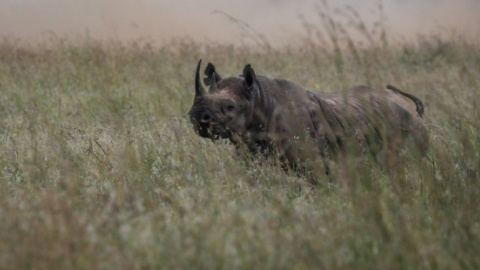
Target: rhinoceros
[(279, 118)]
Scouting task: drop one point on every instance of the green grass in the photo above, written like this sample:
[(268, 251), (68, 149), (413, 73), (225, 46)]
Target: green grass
[(101, 169)]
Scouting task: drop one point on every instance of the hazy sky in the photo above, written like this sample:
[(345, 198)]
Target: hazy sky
[(205, 20)]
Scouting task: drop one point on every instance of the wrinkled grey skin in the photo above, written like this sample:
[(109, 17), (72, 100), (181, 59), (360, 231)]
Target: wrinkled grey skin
[(279, 117)]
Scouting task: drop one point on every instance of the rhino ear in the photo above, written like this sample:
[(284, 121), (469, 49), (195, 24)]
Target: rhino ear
[(211, 73), (250, 77)]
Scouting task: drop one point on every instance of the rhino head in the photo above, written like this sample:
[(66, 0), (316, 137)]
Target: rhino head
[(227, 107)]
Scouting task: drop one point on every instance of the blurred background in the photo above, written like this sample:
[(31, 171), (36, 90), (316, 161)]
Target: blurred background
[(279, 22)]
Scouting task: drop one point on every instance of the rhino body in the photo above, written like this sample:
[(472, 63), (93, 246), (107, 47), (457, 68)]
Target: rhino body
[(280, 118)]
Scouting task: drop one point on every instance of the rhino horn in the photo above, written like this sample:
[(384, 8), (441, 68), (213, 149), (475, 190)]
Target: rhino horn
[(199, 91)]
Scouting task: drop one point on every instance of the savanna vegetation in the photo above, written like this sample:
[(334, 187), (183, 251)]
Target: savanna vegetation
[(101, 169)]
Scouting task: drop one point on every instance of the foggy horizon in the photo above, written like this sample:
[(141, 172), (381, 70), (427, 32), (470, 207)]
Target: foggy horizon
[(280, 22)]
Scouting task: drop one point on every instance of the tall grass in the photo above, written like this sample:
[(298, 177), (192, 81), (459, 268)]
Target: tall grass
[(100, 167)]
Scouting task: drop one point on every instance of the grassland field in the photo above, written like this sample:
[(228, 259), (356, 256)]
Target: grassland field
[(101, 169)]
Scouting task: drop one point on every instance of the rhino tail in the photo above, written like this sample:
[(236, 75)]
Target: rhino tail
[(418, 103)]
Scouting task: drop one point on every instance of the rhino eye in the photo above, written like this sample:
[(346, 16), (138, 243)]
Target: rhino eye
[(230, 108)]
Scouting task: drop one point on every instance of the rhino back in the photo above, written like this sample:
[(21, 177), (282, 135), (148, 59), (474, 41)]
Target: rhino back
[(362, 118)]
